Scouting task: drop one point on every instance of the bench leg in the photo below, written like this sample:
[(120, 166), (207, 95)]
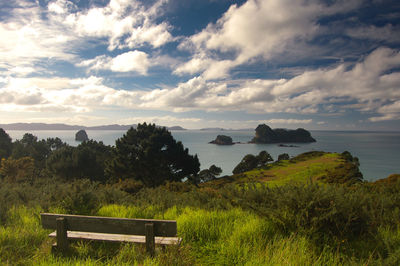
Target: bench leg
[(150, 241), (62, 240)]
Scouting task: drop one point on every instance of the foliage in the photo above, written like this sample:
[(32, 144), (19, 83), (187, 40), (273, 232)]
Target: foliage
[(210, 173), (283, 156), (151, 155), (14, 170), (30, 146), (5, 144), (87, 160), (345, 173), (250, 162)]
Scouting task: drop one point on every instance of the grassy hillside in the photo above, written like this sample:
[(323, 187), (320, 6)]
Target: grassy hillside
[(308, 167), (288, 213)]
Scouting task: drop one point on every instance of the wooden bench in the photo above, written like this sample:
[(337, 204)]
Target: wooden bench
[(112, 229)]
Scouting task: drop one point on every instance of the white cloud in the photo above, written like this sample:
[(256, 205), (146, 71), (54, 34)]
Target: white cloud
[(255, 30), (388, 112), (131, 61), (124, 23), (372, 85), (25, 38)]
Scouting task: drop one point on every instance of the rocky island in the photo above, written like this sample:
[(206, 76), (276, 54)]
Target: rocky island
[(264, 134), (222, 140), (81, 135)]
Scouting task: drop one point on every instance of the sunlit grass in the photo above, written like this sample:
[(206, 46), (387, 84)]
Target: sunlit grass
[(285, 172)]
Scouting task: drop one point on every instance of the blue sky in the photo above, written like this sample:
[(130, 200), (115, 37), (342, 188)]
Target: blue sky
[(331, 65)]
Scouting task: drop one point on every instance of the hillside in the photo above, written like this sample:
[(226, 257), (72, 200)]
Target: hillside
[(308, 167)]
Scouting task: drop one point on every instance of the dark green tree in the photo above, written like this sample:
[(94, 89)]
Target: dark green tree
[(283, 156), (263, 158), (30, 146), (246, 164), (5, 144), (210, 173), (61, 163), (55, 143), (151, 155), (250, 162), (87, 160)]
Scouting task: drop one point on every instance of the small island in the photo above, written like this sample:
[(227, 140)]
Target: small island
[(81, 135), (222, 140), (264, 134)]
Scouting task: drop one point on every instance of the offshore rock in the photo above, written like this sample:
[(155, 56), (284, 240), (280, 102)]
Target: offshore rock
[(222, 140), (81, 135), (264, 134)]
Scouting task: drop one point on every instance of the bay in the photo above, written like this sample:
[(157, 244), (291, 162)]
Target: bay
[(379, 152)]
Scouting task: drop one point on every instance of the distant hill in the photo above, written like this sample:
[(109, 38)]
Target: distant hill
[(212, 129), (44, 126), (176, 128)]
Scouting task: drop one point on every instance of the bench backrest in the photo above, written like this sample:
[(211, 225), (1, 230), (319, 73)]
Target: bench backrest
[(110, 225)]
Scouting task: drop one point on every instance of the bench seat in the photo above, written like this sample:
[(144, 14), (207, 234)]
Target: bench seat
[(118, 238), (113, 229)]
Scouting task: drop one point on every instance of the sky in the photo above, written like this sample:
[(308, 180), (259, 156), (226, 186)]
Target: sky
[(322, 65)]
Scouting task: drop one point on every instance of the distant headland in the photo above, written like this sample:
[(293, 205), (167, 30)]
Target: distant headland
[(59, 126)]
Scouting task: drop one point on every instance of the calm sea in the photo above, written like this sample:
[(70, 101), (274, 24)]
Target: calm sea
[(379, 152)]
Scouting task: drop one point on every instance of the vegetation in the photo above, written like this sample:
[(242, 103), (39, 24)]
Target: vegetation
[(151, 155), (313, 209), (250, 162)]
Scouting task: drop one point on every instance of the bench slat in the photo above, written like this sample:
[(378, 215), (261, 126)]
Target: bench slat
[(110, 225), (119, 238)]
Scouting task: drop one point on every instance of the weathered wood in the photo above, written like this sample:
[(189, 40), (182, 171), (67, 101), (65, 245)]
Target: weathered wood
[(110, 225), (62, 240), (150, 246), (159, 240)]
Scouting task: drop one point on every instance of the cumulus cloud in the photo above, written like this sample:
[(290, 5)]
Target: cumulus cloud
[(371, 85), (26, 38), (256, 29), (34, 35), (125, 23), (132, 61)]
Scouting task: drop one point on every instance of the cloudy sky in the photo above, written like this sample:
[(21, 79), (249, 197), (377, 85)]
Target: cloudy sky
[(210, 63)]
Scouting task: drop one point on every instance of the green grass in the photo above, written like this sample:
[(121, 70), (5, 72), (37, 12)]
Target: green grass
[(213, 237), (286, 172)]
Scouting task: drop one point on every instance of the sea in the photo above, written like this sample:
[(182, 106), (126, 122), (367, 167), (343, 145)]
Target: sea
[(378, 152)]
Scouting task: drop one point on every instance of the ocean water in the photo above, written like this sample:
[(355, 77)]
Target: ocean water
[(379, 152)]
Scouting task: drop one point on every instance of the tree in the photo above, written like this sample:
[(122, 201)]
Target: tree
[(55, 143), (151, 155), (263, 158), (246, 164), (5, 144), (87, 160), (210, 173), (30, 146), (283, 156), (250, 162)]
